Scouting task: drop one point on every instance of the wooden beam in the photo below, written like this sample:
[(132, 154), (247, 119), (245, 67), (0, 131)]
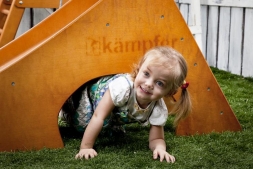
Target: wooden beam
[(40, 3), (230, 3), (3, 16), (11, 24)]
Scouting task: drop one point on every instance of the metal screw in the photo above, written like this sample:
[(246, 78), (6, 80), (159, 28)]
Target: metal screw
[(13, 83), (20, 2)]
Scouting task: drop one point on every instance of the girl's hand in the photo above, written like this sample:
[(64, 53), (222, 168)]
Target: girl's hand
[(86, 153), (163, 155)]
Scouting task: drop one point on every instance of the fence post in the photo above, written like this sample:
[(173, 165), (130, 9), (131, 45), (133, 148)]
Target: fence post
[(196, 22)]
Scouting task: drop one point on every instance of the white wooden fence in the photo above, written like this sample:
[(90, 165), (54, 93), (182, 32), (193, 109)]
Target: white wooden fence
[(227, 33), (223, 29)]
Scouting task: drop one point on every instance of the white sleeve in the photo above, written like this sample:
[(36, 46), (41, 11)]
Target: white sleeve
[(159, 114), (120, 91)]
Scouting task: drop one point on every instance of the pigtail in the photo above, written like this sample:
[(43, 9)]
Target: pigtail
[(182, 108)]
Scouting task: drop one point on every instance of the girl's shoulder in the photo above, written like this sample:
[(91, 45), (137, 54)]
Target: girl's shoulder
[(123, 79), (159, 114), (120, 89)]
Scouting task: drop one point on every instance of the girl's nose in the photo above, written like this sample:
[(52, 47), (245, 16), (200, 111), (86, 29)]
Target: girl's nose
[(149, 84)]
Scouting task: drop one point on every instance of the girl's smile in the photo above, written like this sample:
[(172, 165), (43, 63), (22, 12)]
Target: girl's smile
[(145, 91)]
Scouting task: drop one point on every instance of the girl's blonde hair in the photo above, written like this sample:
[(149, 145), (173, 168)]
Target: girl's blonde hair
[(175, 63)]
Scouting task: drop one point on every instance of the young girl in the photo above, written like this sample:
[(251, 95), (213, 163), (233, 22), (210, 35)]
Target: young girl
[(123, 98)]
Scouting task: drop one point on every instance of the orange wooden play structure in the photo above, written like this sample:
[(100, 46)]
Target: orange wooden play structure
[(86, 39), (11, 12)]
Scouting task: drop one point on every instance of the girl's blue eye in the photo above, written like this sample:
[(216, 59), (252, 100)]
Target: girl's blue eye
[(159, 83), (146, 74)]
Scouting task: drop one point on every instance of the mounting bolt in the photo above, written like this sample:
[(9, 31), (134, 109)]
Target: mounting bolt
[(20, 2)]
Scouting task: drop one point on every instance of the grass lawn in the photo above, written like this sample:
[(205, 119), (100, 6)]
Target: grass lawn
[(227, 150)]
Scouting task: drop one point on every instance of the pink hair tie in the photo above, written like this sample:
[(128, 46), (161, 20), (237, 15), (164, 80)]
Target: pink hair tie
[(185, 85)]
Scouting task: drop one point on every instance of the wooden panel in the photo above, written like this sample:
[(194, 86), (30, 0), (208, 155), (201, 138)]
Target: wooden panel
[(27, 122), (247, 69), (49, 62), (40, 3), (223, 40), (195, 22), (212, 38), (190, 15), (236, 44), (204, 15), (184, 9)]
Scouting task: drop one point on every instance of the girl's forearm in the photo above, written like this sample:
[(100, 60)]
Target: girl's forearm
[(157, 143), (95, 125), (91, 132)]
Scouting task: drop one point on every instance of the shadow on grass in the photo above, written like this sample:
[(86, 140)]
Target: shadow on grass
[(135, 137), (107, 138)]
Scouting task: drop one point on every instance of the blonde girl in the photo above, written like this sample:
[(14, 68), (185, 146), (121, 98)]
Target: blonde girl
[(113, 101)]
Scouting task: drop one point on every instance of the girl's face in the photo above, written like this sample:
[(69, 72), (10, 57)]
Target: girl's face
[(151, 83)]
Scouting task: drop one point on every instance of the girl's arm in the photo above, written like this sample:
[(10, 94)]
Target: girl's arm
[(94, 127), (157, 144)]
